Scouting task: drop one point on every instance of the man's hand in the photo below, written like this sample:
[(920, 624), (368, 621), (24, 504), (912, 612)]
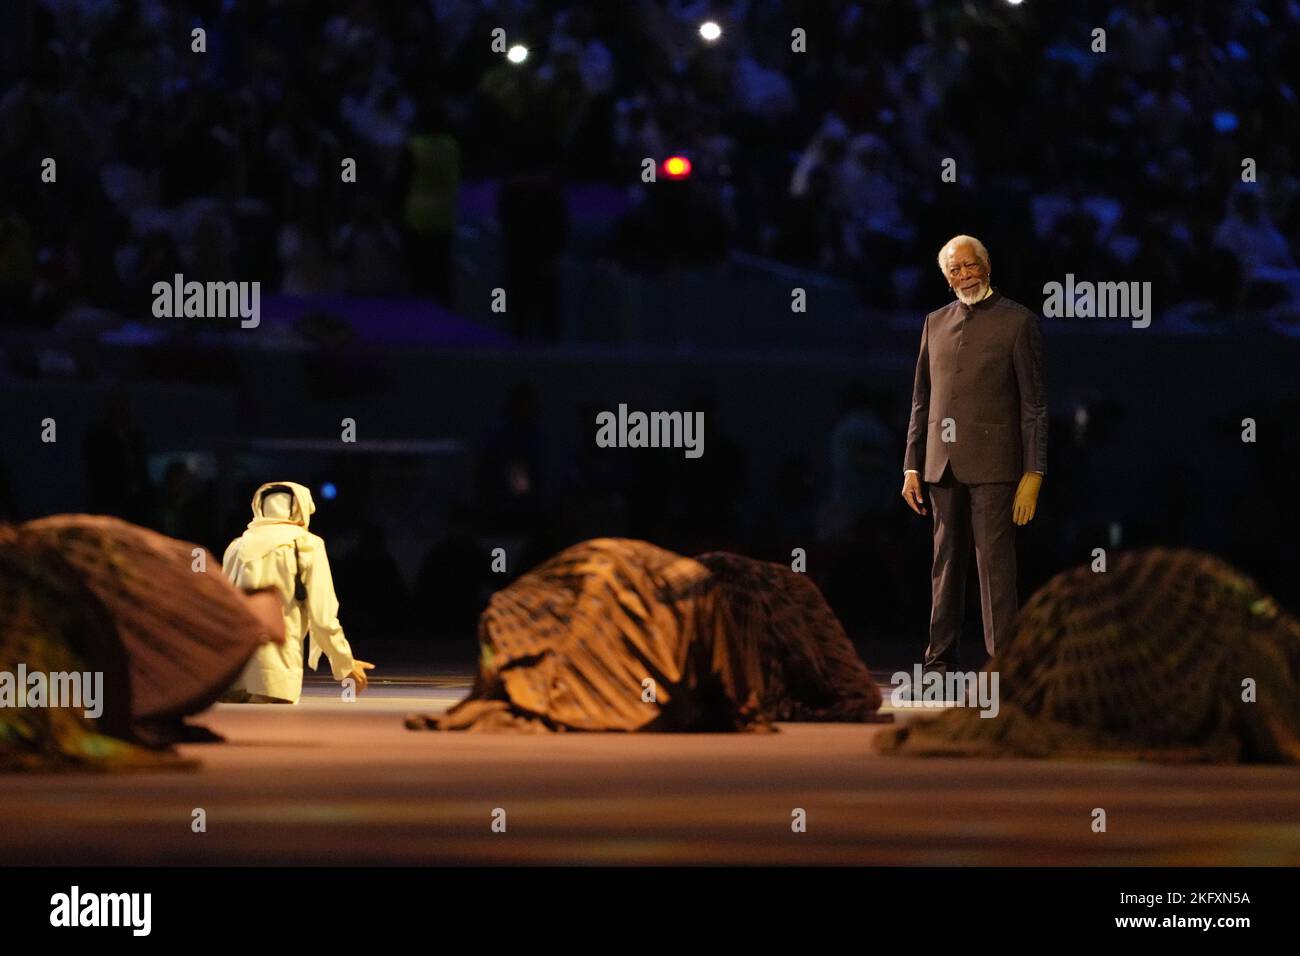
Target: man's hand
[(358, 674), (1026, 497), (912, 492)]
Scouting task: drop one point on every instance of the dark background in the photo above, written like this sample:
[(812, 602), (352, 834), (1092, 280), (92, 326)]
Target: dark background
[(816, 170)]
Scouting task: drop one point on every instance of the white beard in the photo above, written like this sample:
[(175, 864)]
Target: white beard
[(973, 297)]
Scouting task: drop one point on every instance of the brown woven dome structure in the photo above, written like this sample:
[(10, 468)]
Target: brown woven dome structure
[(1148, 660), (729, 643), (91, 593)]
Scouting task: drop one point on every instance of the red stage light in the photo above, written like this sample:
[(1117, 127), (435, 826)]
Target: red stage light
[(677, 167)]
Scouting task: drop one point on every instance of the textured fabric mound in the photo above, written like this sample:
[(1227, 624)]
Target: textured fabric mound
[(807, 665), (90, 593), (616, 634), (1148, 660)]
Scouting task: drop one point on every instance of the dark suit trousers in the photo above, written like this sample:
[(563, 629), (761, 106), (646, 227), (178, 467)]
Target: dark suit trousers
[(962, 514)]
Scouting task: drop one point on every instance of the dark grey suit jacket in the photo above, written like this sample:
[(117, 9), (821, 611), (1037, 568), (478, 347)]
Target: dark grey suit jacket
[(981, 367)]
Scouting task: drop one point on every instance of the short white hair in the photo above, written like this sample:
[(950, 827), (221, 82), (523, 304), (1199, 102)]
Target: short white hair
[(981, 253)]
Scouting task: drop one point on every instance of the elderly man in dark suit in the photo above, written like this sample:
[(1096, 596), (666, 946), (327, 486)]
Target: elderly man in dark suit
[(978, 439)]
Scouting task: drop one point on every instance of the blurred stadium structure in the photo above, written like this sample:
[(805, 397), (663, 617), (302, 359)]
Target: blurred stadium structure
[(816, 170)]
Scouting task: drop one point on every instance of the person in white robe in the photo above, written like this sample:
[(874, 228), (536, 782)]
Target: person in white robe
[(277, 551)]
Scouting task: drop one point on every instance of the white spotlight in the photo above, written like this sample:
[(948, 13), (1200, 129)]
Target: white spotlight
[(517, 53), (710, 30)]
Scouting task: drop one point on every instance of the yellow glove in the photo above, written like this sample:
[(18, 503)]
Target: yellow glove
[(1026, 497)]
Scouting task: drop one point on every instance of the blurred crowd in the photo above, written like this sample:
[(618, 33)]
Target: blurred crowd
[(230, 164), (1125, 164)]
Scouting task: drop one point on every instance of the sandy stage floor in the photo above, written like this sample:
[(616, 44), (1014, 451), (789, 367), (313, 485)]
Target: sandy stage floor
[(329, 782)]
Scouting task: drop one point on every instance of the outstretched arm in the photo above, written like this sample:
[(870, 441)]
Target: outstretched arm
[(323, 610)]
